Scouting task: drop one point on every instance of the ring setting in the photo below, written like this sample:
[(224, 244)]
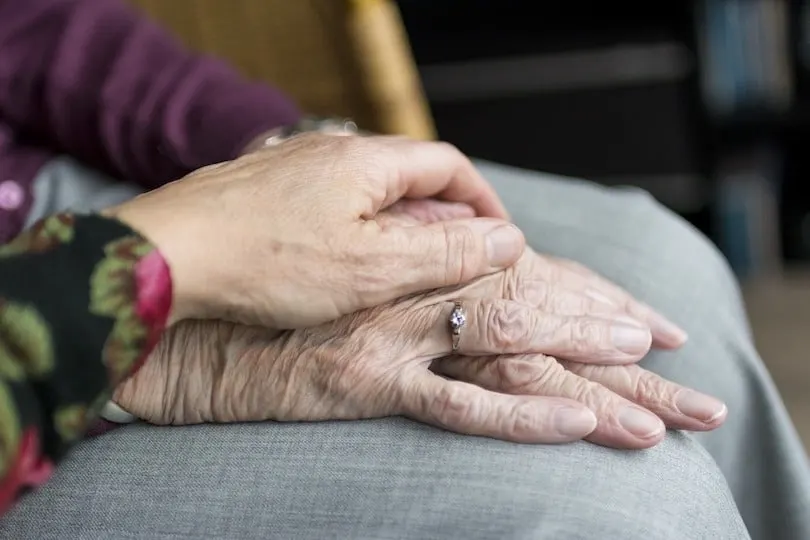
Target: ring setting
[(457, 321)]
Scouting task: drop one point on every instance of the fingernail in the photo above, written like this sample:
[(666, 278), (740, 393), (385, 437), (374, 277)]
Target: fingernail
[(700, 406), (630, 339), (640, 423), (673, 334), (504, 245), (574, 422)]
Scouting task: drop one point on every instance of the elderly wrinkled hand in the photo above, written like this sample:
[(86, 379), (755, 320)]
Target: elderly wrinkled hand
[(561, 287), (396, 359)]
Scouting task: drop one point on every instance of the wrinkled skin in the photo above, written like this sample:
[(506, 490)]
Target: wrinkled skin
[(289, 238), (393, 360)]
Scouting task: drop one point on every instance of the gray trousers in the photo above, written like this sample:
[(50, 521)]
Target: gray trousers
[(393, 478)]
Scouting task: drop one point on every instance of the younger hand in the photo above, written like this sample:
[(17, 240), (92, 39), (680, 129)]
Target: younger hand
[(286, 236)]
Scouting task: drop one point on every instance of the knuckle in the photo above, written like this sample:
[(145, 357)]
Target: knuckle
[(514, 372), (588, 335), (505, 328), (463, 257), (586, 392), (451, 408), (647, 388), (582, 385), (375, 172), (531, 291), (378, 158), (528, 372), (524, 418)]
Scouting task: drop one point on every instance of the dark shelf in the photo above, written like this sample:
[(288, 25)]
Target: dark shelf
[(747, 126), (456, 30), (613, 128)]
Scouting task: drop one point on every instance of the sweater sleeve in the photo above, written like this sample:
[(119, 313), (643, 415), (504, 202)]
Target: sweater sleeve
[(83, 300), (98, 80)]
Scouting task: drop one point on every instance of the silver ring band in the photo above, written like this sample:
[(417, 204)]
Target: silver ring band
[(457, 321)]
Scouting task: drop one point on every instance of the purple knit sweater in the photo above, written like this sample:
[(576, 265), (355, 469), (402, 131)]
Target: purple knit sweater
[(96, 80)]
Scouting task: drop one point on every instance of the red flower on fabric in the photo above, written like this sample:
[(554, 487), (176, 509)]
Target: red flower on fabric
[(29, 469), (153, 298)]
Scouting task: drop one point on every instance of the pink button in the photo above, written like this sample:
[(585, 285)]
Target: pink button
[(11, 195)]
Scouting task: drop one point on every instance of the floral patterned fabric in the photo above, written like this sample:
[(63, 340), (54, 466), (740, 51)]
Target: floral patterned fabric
[(83, 300)]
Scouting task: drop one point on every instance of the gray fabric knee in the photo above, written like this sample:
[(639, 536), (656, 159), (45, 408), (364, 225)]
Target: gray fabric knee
[(690, 252), (387, 478)]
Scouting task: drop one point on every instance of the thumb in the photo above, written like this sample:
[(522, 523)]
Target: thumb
[(450, 253)]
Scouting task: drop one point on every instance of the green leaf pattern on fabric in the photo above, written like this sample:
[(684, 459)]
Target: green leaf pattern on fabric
[(11, 366), (112, 294), (10, 431), (42, 236), (40, 359), (70, 421), (26, 341)]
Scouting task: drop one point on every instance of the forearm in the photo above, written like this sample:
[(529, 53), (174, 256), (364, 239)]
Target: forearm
[(99, 81), (82, 302)]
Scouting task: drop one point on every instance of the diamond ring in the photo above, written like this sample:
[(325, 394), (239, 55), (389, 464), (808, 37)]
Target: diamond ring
[(457, 320)]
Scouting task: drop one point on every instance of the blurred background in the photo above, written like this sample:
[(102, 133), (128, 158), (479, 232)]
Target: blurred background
[(705, 104)]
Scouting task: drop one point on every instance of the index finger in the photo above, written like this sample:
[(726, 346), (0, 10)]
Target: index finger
[(573, 275), (436, 169)]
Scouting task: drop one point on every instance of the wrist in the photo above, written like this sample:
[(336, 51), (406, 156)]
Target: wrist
[(308, 124), (179, 293), (179, 383)]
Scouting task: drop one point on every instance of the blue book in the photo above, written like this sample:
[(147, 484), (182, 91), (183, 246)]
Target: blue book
[(734, 38), (717, 77), (753, 46)]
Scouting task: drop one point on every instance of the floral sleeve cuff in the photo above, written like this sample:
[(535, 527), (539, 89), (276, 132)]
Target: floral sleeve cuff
[(83, 300)]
